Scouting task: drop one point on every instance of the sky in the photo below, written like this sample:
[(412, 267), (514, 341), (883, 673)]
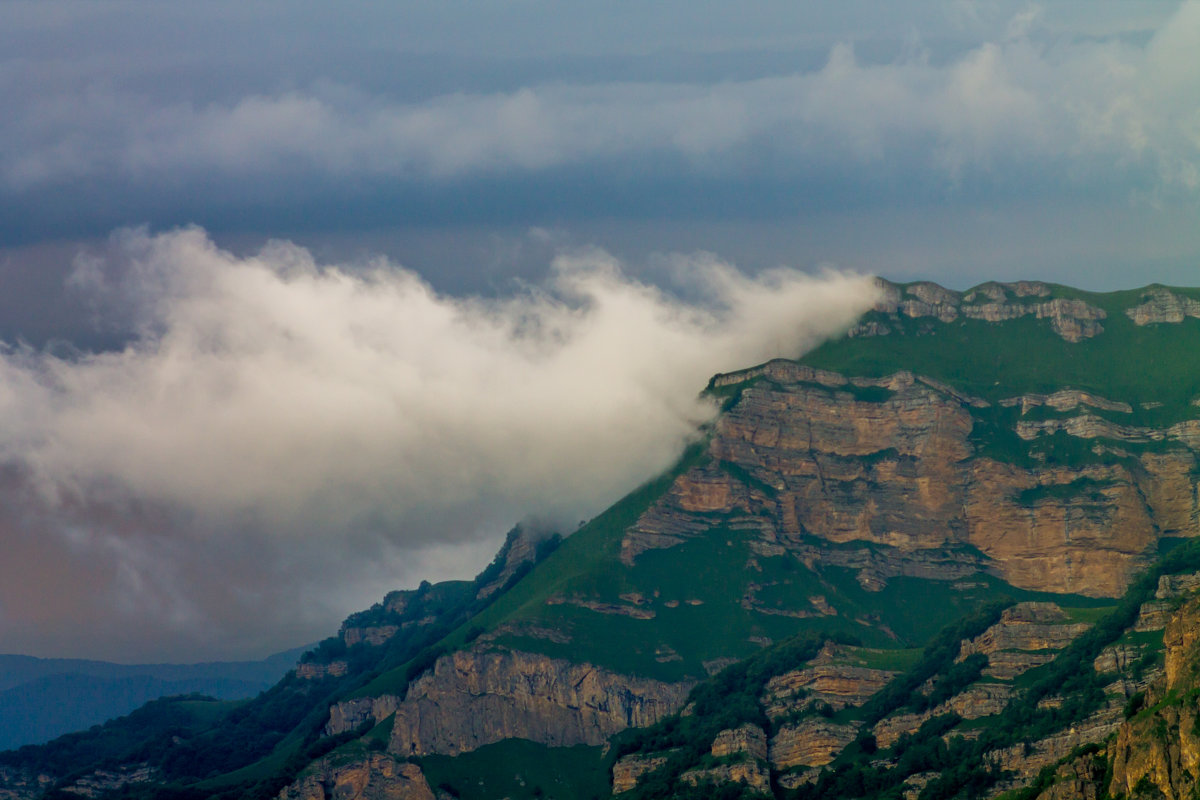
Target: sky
[(302, 302)]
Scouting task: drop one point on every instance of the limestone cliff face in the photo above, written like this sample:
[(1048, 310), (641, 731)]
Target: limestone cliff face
[(349, 714), (1162, 305), (1073, 320), (629, 769), (812, 742), (479, 696), (891, 462), (375, 777), (1161, 749)]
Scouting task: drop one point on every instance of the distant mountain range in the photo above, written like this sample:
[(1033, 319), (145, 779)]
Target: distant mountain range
[(41, 698)]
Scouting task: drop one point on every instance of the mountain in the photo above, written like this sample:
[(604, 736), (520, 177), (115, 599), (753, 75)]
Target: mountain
[(933, 558), (41, 698)]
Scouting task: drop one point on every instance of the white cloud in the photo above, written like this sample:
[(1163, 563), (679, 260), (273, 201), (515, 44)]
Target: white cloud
[(361, 413)]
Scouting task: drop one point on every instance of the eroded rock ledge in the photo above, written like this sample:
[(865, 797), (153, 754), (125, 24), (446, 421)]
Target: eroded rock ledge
[(475, 697), (1072, 319)]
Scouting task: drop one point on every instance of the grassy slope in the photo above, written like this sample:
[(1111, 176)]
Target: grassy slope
[(1136, 364), (713, 569)]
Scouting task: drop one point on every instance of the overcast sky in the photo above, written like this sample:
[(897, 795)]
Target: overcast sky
[(303, 301)]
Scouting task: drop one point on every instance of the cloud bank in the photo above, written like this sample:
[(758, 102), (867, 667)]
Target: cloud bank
[(1099, 111), (284, 429)]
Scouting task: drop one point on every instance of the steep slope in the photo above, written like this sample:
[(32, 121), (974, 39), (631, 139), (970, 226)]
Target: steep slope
[(996, 466)]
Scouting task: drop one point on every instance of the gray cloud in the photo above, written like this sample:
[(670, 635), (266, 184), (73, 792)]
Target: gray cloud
[(1096, 111), (272, 411)]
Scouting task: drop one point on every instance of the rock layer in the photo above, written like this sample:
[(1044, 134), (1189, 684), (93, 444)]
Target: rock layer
[(813, 458), (479, 696), (377, 777)]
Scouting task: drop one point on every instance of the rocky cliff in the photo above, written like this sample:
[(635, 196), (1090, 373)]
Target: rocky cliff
[(897, 462), (373, 777), (475, 697), (1158, 750)]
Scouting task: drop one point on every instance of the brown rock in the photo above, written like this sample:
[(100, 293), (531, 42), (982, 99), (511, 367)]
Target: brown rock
[(748, 740), (375, 635), (315, 671), (1025, 626), (1161, 305), (838, 685), (899, 471), (100, 782), (629, 769), (479, 696), (812, 742), (349, 714), (376, 777), (751, 773)]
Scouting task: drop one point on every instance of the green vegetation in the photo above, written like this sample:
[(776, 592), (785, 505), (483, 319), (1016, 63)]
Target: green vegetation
[(1127, 362), (521, 770), (726, 700), (1080, 490)]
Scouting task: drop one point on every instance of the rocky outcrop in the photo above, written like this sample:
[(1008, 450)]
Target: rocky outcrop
[(1089, 426), (1025, 626), (1154, 614), (751, 773), (1026, 761), (1066, 400), (1158, 752), (1027, 636), (812, 742), (747, 740), (519, 548), (832, 677), (475, 697), (374, 635), (629, 769), (18, 784), (97, 784), (889, 729), (350, 714), (1073, 320), (600, 607), (1116, 658), (1079, 778), (838, 685), (315, 670), (376, 777), (976, 701), (1162, 305)]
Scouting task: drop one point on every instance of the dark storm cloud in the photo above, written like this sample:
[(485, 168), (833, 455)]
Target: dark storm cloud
[(1009, 114)]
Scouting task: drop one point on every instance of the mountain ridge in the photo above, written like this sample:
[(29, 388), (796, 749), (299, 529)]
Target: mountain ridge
[(811, 560)]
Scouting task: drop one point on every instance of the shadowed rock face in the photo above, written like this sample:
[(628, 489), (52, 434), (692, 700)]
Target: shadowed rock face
[(479, 696), (376, 777), (805, 450)]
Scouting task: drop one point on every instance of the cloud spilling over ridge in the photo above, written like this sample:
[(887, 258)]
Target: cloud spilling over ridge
[(275, 419), (1096, 109)]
